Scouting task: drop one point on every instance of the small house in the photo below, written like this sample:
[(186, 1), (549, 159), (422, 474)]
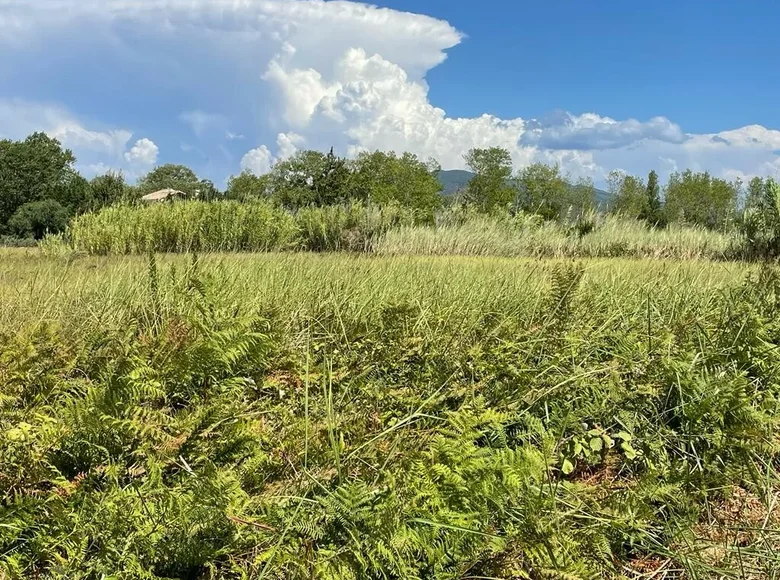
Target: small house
[(163, 195)]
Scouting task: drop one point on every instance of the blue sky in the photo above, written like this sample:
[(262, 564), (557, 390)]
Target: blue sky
[(224, 85), (707, 65)]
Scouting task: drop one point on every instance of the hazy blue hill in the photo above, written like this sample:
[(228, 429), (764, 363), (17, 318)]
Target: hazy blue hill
[(602, 197), (456, 179)]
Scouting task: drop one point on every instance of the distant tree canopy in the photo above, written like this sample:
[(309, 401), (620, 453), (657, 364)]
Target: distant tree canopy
[(247, 186), (699, 198), (309, 178), (628, 194), (381, 177), (490, 188), (543, 190), (39, 185), (40, 189), (760, 224), (37, 218), (312, 178), (108, 189), (631, 197), (755, 196), (653, 210), (538, 188), (36, 169)]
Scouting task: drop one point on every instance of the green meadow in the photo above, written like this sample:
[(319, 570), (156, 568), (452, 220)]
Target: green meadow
[(299, 415)]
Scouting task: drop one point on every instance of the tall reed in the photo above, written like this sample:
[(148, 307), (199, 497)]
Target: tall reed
[(232, 226), (605, 236), (184, 227)]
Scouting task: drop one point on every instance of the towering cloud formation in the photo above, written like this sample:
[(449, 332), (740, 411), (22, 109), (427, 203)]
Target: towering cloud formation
[(300, 73)]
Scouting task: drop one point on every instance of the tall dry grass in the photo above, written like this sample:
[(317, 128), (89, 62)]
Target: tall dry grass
[(194, 226), (610, 236), (231, 226)]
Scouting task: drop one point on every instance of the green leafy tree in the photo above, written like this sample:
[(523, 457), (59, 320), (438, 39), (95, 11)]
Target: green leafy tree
[(247, 186), (310, 178), (699, 198), (581, 199), (107, 189), (756, 193), (74, 193), (37, 218), (35, 169), (491, 187), (543, 190), (653, 211), (207, 191), (382, 178), (760, 224), (628, 195)]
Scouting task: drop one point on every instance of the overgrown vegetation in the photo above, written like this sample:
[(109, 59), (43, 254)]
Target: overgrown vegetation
[(231, 226), (592, 235), (40, 189), (340, 199), (294, 416), (761, 221), (387, 230), (234, 409)]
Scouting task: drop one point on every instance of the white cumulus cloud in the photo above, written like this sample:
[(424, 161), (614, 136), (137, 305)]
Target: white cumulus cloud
[(375, 104), (318, 73), (257, 161), (19, 118), (320, 31), (97, 150), (144, 152), (591, 131), (289, 144), (260, 160), (73, 135)]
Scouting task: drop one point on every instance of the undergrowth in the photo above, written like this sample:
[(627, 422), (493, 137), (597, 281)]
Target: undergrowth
[(566, 430), (229, 226)]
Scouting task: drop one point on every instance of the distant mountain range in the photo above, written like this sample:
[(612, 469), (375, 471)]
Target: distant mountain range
[(456, 179)]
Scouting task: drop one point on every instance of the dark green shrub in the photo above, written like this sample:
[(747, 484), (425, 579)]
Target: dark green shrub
[(760, 227), (37, 218)]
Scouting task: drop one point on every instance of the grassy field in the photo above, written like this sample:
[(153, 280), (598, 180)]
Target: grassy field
[(356, 416)]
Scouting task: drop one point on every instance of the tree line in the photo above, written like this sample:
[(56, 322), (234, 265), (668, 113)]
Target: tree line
[(40, 189)]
